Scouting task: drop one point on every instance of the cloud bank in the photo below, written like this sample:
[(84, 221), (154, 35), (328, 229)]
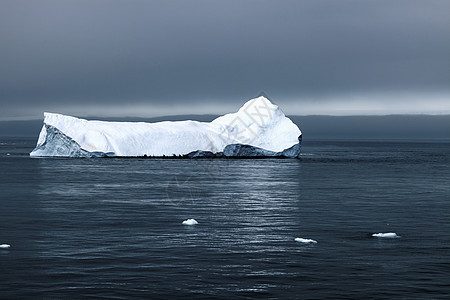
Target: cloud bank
[(149, 58)]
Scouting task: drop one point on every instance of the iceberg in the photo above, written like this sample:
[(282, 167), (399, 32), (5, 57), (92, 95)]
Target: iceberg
[(258, 129)]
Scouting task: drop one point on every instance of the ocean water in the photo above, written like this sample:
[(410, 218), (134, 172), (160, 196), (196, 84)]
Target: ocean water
[(112, 228)]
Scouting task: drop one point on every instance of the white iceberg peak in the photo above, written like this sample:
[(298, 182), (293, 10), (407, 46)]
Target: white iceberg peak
[(190, 222), (259, 128), (4, 246)]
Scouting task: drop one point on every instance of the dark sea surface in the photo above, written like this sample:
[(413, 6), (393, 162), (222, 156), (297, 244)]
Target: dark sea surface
[(112, 228)]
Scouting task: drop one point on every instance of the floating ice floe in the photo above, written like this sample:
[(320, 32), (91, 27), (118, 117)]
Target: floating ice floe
[(4, 246), (306, 241), (190, 222), (386, 235), (258, 129)]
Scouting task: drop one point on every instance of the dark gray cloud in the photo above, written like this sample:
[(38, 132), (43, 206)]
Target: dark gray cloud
[(161, 57)]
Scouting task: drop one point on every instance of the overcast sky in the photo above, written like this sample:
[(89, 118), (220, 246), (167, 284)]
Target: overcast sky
[(152, 58)]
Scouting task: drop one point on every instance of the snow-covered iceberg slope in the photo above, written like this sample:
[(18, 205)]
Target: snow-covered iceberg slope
[(258, 129)]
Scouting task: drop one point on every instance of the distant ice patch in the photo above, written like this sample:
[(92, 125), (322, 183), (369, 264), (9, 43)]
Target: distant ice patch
[(390, 235), (306, 241), (190, 222), (4, 246)]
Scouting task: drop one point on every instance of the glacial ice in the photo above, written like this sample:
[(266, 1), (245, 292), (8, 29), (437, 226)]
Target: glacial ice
[(258, 129), (4, 246), (386, 235), (190, 222), (306, 241)]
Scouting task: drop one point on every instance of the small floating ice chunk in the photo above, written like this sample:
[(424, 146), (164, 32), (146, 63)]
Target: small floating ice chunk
[(190, 222), (306, 241), (386, 235), (4, 246), (8, 154)]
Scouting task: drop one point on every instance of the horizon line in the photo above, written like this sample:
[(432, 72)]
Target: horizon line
[(18, 119)]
